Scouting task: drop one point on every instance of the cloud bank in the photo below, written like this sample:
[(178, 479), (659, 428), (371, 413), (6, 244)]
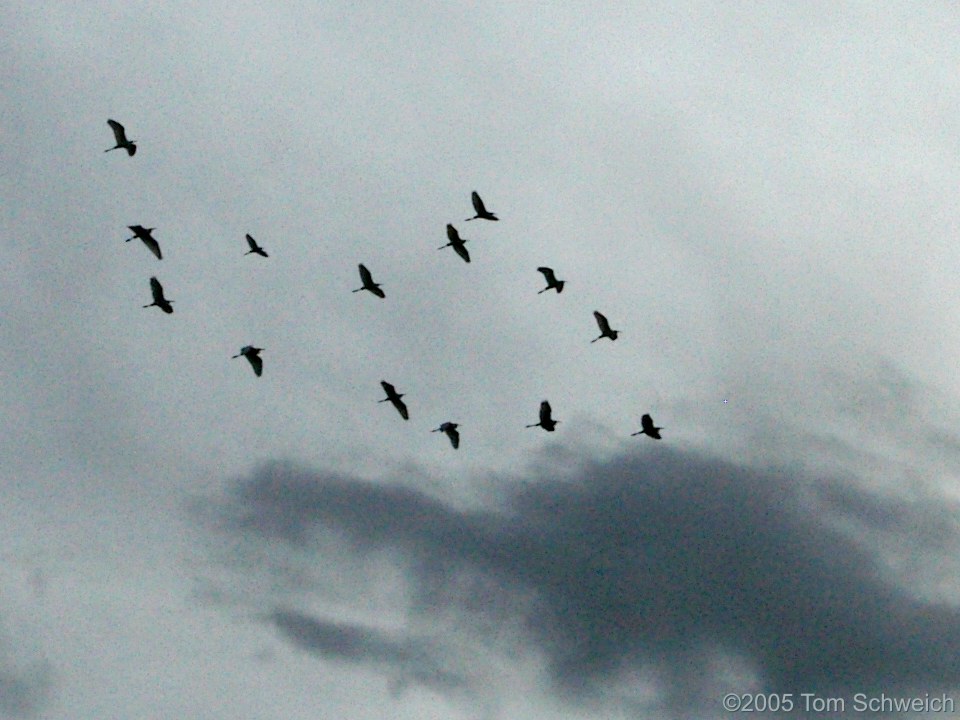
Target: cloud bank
[(662, 564)]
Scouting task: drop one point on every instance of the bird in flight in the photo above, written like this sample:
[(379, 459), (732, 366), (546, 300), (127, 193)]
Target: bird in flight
[(482, 212), (605, 330), (121, 137), (450, 430), (139, 231), (368, 284), (158, 299), (546, 422), (252, 354), (254, 248), (647, 428), (552, 282), (394, 397), (456, 242)]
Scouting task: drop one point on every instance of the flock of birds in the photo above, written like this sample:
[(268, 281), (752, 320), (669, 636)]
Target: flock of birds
[(252, 354)]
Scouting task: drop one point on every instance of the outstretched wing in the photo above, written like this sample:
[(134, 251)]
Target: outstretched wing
[(548, 275), (452, 234), (545, 412), (389, 389), (157, 290), (462, 251), (256, 362), (454, 437), (478, 204), (401, 407), (152, 244), (365, 277), (602, 322), (118, 132), (646, 422)]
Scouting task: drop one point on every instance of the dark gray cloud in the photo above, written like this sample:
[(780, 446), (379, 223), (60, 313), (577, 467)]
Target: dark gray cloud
[(650, 560), (410, 659)]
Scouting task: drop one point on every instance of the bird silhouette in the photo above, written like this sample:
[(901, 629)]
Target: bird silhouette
[(139, 231), (482, 212), (552, 282), (368, 284), (394, 397), (450, 429), (252, 354), (121, 137), (158, 299), (647, 428), (254, 248), (605, 330), (546, 422), (456, 242)]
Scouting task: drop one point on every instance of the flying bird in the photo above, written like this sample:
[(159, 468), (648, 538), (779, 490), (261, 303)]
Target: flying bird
[(394, 397), (252, 354), (552, 282), (368, 284), (605, 330), (450, 429), (482, 212), (457, 243), (139, 231), (158, 299), (254, 248), (546, 422), (646, 423), (121, 136)]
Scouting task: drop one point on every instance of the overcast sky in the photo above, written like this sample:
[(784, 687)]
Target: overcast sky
[(762, 198)]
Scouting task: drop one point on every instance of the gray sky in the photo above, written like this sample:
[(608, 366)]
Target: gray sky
[(762, 199)]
